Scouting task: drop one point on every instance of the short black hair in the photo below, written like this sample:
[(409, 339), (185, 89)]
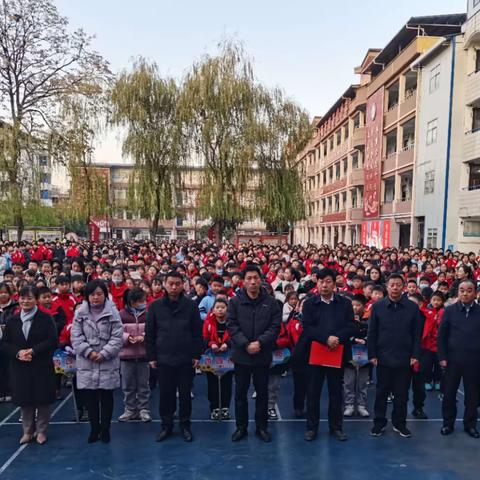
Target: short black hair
[(251, 268), (174, 274), (327, 272), (135, 294), (360, 298), (43, 290), (396, 276), (440, 295), (93, 285), (218, 279), (62, 279), (28, 290), (468, 280)]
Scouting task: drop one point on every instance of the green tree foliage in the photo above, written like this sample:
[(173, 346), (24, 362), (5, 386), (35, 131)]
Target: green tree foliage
[(41, 64), (248, 137), (145, 105)]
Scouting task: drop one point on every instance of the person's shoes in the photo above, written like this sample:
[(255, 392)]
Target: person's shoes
[(2, 399), (420, 414), (94, 436), (127, 415), (473, 432), (239, 434), (163, 435), (272, 414), (263, 435), (348, 412), (299, 414), (339, 435), (438, 387), (403, 431), (363, 412), (58, 395), (187, 435), (41, 438), (390, 398), (310, 435), (428, 387), (215, 414), (84, 417), (8, 399), (105, 436), (446, 430), (145, 416), (377, 430), (254, 395), (226, 414), (26, 438)]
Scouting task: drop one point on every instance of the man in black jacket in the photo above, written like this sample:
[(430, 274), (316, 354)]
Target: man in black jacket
[(253, 323), (327, 319), (173, 341), (394, 336), (459, 354)]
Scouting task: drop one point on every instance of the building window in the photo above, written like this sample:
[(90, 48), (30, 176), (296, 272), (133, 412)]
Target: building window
[(471, 228), (429, 182), (474, 175), (432, 132), (475, 119), (355, 161), (434, 78), (477, 60), (389, 194), (432, 238), (44, 194), (43, 160), (339, 137)]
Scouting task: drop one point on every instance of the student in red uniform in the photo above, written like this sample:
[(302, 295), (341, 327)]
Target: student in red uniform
[(217, 338), (299, 370), (429, 357), (78, 285), (64, 298), (118, 288), (46, 305)]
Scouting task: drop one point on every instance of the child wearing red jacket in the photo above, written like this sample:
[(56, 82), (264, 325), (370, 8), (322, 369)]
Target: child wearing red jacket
[(275, 374), (429, 358), (217, 338), (299, 370), (118, 288), (64, 298)]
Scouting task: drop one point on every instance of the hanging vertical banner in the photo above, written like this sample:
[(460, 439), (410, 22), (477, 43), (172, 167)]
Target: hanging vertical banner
[(373, 154), (376, 233)]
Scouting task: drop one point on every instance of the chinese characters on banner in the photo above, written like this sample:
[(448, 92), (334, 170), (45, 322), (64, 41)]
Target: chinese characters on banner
[(373, 154), (376, 233)]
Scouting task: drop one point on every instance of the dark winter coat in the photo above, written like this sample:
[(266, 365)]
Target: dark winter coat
[(250, 320), (173, 332), (33, 383)]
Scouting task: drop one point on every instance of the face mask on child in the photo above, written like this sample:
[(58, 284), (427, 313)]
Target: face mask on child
[(117, 280)]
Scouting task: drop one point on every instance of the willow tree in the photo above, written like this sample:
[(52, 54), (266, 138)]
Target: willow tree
[(219, 103), (145, 105), (41, 62), (282, 130)]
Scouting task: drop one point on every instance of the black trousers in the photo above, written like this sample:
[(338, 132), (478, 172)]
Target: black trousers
[(171, 379), (100, 408), (225, 387), (471, 383), (299, 389), (430, 367), (79, 395), (5, 390), (397, 381), (418, 389), (315, 378), (243, 377)]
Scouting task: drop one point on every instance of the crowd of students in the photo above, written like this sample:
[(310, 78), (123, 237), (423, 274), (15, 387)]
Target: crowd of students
[(141, 314)]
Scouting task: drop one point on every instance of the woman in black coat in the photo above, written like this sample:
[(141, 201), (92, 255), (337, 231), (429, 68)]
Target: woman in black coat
[(29, 339), (8, 307)]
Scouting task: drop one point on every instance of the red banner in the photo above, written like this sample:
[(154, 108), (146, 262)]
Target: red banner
[(373, 154), (376, 233)]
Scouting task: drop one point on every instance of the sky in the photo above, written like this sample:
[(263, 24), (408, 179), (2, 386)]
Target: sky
[(309, 48)]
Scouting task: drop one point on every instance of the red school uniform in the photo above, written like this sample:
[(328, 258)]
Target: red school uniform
[(433, 318), (67, 302), (117, 295)]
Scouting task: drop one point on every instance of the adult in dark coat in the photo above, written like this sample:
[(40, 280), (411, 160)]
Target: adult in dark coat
[(459, 353), (8, 307), (327, 319), (394, 335), (29, 339), (253, 322), (173, 342)]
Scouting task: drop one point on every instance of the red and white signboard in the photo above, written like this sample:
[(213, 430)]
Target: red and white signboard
[(373, 155), (376, 233)]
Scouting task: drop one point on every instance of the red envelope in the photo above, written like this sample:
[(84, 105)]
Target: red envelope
[(321, 355)]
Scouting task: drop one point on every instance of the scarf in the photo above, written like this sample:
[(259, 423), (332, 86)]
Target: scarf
[(27, 318)]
